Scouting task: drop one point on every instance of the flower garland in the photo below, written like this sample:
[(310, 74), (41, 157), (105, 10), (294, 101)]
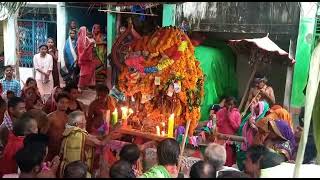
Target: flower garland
[(136, 62), (164, 59)]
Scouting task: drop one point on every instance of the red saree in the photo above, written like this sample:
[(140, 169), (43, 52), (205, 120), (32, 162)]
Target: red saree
[(86, 61)]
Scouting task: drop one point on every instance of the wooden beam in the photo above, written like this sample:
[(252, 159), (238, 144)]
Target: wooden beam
[(248, 86), (141, 134), (119, 12), (229, 137), (288, 87)]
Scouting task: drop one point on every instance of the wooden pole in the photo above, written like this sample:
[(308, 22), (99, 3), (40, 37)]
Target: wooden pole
[(183, 144), (288, 87), (248, 86), (246, 108)]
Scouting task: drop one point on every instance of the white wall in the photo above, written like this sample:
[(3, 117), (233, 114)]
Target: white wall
[(1, 36)]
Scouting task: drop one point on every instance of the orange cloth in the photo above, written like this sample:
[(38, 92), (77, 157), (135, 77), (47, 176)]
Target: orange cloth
[(276, 112)]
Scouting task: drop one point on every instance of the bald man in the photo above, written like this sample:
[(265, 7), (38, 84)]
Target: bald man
[(216, 155)]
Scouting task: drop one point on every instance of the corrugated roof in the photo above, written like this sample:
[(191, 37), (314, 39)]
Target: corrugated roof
[(98, 4), (264, 43)]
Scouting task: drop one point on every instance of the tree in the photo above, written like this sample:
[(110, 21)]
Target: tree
[(11, 7)]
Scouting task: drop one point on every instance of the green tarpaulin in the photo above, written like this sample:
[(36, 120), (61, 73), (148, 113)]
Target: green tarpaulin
[(219, 66)]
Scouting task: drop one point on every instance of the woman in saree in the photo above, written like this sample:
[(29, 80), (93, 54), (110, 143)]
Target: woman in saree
[(277, 135), (278, 112), (51, 104), (53, 51), (248, 129), (103, 70), (86, 61), (228, 122), (68, 63), (101, 48)]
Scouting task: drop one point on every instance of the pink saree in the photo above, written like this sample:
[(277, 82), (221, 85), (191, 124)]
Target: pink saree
[(247, 131)]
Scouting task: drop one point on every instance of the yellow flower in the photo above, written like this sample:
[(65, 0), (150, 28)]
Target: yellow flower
[(183, 46)]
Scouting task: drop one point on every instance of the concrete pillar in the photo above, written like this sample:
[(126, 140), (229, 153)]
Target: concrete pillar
[(10, 30), (61, 32), (169, 15), (61, 27), (111, 30)]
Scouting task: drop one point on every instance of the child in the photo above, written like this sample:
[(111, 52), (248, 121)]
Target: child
[(121, 169), (216, 107), (131, 153), (10, 94)]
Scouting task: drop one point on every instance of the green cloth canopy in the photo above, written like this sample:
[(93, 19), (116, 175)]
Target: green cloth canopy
[(218, 64)]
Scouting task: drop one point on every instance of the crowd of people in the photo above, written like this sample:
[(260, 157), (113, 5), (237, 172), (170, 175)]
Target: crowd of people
[(46, 131), (61, 137), (267, 128)]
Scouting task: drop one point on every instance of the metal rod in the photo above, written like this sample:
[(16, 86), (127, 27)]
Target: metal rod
[(28, 20), (133, 13), (80, 7)]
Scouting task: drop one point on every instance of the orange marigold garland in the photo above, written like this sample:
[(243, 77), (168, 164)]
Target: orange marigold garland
[(168, 56)]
